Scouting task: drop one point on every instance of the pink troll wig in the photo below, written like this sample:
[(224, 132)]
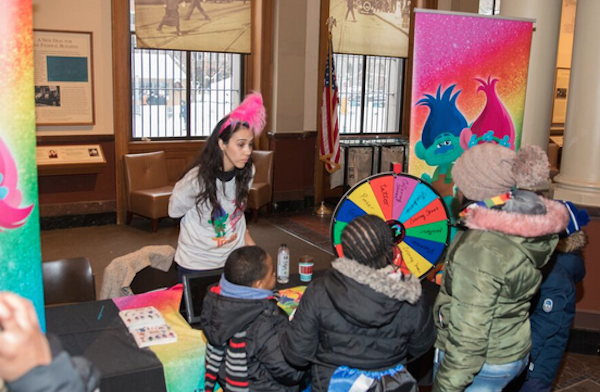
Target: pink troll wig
[(251, 111), (494, 116)]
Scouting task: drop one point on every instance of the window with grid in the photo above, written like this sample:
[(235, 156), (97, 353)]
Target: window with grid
[(370, 91), (489, 7), (181, 94)]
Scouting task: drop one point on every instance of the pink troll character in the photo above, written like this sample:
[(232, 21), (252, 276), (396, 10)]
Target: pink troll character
[(494, 124), (11, 216)]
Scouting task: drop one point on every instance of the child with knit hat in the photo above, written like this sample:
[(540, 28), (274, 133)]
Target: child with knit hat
[(492, 269), (554, 305), (360, 320)]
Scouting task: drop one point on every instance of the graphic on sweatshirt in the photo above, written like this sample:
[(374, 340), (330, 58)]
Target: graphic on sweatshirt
[(236, 216), (219, 223)]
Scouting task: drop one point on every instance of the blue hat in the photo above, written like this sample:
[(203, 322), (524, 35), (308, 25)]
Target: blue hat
[(577, 219)]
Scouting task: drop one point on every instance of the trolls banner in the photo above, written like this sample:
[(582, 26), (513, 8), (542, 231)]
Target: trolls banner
[(20, 255), (468, 87)]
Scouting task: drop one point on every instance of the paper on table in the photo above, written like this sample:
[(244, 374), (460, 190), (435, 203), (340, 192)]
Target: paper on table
[(136, 318)]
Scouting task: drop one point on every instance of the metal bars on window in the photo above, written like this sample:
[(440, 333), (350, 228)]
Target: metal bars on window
[(370, 91), (158, 93), (181, 94), (489, 7), (215, 89)]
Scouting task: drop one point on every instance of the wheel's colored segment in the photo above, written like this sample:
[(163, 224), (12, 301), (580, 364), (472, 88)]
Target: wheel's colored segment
[(416, 263), (433, 212), (430, 250), (339, 250), (403, 188), (437, 232), (383, 188), (364, 198), (348, 211), (337, 232), (422, 195)]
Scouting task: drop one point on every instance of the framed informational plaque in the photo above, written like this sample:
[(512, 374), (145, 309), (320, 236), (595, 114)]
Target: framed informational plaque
[(70, 159), (64, 77)]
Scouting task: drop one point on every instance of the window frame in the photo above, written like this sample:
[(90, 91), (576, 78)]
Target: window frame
[(364, 93), (187, 89)]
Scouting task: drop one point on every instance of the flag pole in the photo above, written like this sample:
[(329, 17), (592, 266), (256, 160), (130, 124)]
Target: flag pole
[(323, 210), (331, 23)]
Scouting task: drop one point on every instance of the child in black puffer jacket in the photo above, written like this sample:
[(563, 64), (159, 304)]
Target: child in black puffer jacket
[(242, 323), (361, 318)]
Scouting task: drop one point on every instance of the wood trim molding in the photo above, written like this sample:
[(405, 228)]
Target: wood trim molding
[(70, 169), (267, 62), (191, 145), (75, 139), (297, 194), (80, 208), (121, 95), (589, 320), (259, 64), (291, 135), (406, 107), (407, 98)]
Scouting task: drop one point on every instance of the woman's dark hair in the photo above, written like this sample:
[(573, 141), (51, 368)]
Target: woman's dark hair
[(369, 240), (210, 163), (246, 265)]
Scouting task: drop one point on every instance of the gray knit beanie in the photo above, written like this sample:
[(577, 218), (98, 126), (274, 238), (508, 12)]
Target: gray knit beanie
[(487, 170)]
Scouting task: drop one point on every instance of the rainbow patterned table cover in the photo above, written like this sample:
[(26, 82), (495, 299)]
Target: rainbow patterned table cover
[(183, 361)]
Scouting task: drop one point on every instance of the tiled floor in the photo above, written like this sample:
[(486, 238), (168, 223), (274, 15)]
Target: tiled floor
[(305, 225), (588, 385), (578, 373), (576, 368)]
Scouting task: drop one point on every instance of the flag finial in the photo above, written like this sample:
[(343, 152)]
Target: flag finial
[(331, 23)]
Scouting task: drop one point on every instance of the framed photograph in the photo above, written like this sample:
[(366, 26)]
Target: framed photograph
[(561, 95), (208, 26), (371, 27), (64, 77)]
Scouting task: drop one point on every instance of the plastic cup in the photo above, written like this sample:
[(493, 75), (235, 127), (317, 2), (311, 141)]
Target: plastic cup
[(305, 268)]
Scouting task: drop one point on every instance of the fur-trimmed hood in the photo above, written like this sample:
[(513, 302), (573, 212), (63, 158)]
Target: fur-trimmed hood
[(554, 221), (368, 297), (573, 243)]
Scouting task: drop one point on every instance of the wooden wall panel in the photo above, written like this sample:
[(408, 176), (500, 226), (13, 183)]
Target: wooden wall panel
[(588, 291), (176, 166), (180, 155), (293, 165), (80, 188), (121, 53)]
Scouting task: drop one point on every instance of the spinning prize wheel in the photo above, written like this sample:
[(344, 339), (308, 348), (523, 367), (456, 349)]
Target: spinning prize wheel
[(412, 208)]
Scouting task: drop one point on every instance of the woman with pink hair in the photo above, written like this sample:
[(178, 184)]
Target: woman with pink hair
[(211, 196)]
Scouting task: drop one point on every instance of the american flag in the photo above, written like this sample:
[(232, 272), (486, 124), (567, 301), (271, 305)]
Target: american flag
[(330, 132)]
